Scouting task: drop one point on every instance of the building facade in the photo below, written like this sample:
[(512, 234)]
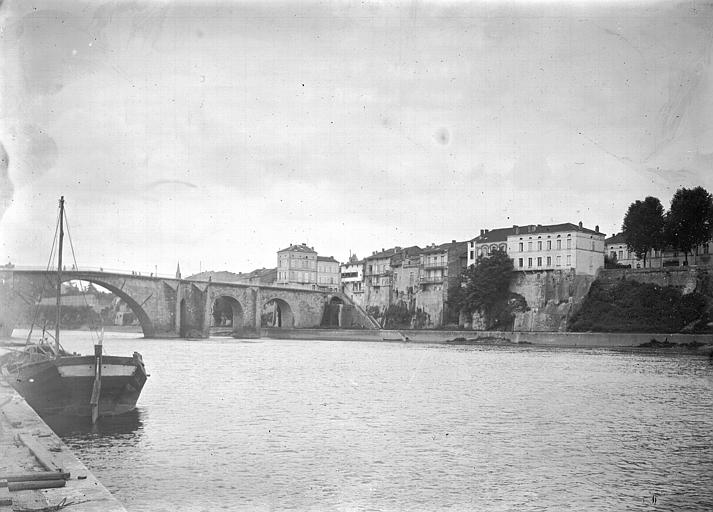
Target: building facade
[(556, 247), (487, 242), (297, 266), (619, 253), (351, 277), (328, 273)]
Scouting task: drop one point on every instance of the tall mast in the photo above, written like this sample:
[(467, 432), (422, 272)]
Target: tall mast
[(59, 274)]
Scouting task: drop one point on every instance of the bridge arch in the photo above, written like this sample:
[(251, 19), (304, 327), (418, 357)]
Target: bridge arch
[(277, 312), (147, 325), (227, 313)]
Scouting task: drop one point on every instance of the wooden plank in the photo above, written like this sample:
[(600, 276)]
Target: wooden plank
[(41, 452), (41, 484), (39, 475)]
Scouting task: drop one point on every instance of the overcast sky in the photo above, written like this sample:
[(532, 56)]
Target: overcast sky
[(218, 133)]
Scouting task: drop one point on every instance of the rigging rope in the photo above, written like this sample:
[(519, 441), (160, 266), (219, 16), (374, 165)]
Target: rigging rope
[(93, 330), (50, 261)]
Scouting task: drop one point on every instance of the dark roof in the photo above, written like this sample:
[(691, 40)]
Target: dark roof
[(458, 246), (501, 234), (567, 226), (348, 263), (616, 239), (495, 235), (299, 248), (327, 258), (260, 272), (389, 253)]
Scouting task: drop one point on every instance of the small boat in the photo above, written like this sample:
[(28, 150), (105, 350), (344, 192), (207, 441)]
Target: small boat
[(57, 383)]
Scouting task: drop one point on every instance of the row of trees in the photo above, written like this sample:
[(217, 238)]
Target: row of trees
[(687, 224)]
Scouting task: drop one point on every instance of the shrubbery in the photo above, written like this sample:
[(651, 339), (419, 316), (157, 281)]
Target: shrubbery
[(630, 306)]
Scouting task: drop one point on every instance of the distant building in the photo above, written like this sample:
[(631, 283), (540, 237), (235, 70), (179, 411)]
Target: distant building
[(327, 273), (218, 276), (619, 253), (265, 276), (406, 265), (297, 265), (77, 301), (489, 241), (351, 277), (556, 247)]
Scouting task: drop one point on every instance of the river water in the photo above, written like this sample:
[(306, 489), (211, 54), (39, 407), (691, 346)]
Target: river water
[(330, 425)]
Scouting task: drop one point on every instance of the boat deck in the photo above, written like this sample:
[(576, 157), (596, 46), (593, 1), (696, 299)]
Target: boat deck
[(29, 446)]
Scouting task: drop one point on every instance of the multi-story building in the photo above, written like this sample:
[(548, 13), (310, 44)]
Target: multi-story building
[(618, 252), (489, 241), (556, 247), (297, 265), (352, 276), (406, 265), (327, 273)]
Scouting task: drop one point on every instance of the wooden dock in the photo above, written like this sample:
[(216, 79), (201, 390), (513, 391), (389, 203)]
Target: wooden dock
[(32, 455)]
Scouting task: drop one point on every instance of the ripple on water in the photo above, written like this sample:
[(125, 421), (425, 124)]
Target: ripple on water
[(287, 425)]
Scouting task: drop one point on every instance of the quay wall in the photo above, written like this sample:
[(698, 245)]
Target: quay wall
[(553, 339), (28, 444)]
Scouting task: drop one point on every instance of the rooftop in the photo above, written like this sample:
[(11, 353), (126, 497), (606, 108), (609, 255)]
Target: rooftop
[(616, 239), (299, 248)]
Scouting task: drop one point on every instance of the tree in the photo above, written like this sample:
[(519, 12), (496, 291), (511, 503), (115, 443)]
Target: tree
[(485, 286), (643, 227), (689, 222)]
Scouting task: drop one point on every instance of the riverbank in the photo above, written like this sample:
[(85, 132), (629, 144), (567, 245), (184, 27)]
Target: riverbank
[(30, 450), (551, 339)]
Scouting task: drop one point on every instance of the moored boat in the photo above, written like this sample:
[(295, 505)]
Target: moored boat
[(55, 382)]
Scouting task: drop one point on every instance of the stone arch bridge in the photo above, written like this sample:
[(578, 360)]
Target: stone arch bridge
[(168, 307)]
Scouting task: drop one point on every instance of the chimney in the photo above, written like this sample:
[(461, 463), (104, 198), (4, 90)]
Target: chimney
[(453, 241), (580, 224), (487, 230), (482, 232), (516, 228), (596, 228)]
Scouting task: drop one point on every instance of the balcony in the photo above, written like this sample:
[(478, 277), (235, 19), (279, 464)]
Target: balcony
[(431, 280), (442, 264)]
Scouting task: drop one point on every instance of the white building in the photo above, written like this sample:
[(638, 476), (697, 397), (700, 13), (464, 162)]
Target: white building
[(619, 253), (557, 247), (297, 265), (328, 273)]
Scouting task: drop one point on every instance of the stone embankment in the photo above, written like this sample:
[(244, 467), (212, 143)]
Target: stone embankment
[(31, 455), (551, 339)]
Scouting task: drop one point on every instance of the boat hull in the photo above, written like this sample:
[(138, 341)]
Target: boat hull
[(64, 386)]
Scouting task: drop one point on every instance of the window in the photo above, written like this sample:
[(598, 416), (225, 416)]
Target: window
[(549, 261), (559, 244), (472, 255), (549, 245), (521, 247), (569, 260), (529, 262), (539, 261), (519, 262), (705, 249), (569, 243), (529, 246), (592, 245), (621, 255), (559, 259), (539, 245)]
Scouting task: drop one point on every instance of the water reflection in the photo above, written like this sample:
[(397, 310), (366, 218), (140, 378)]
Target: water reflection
[(128, 425)]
